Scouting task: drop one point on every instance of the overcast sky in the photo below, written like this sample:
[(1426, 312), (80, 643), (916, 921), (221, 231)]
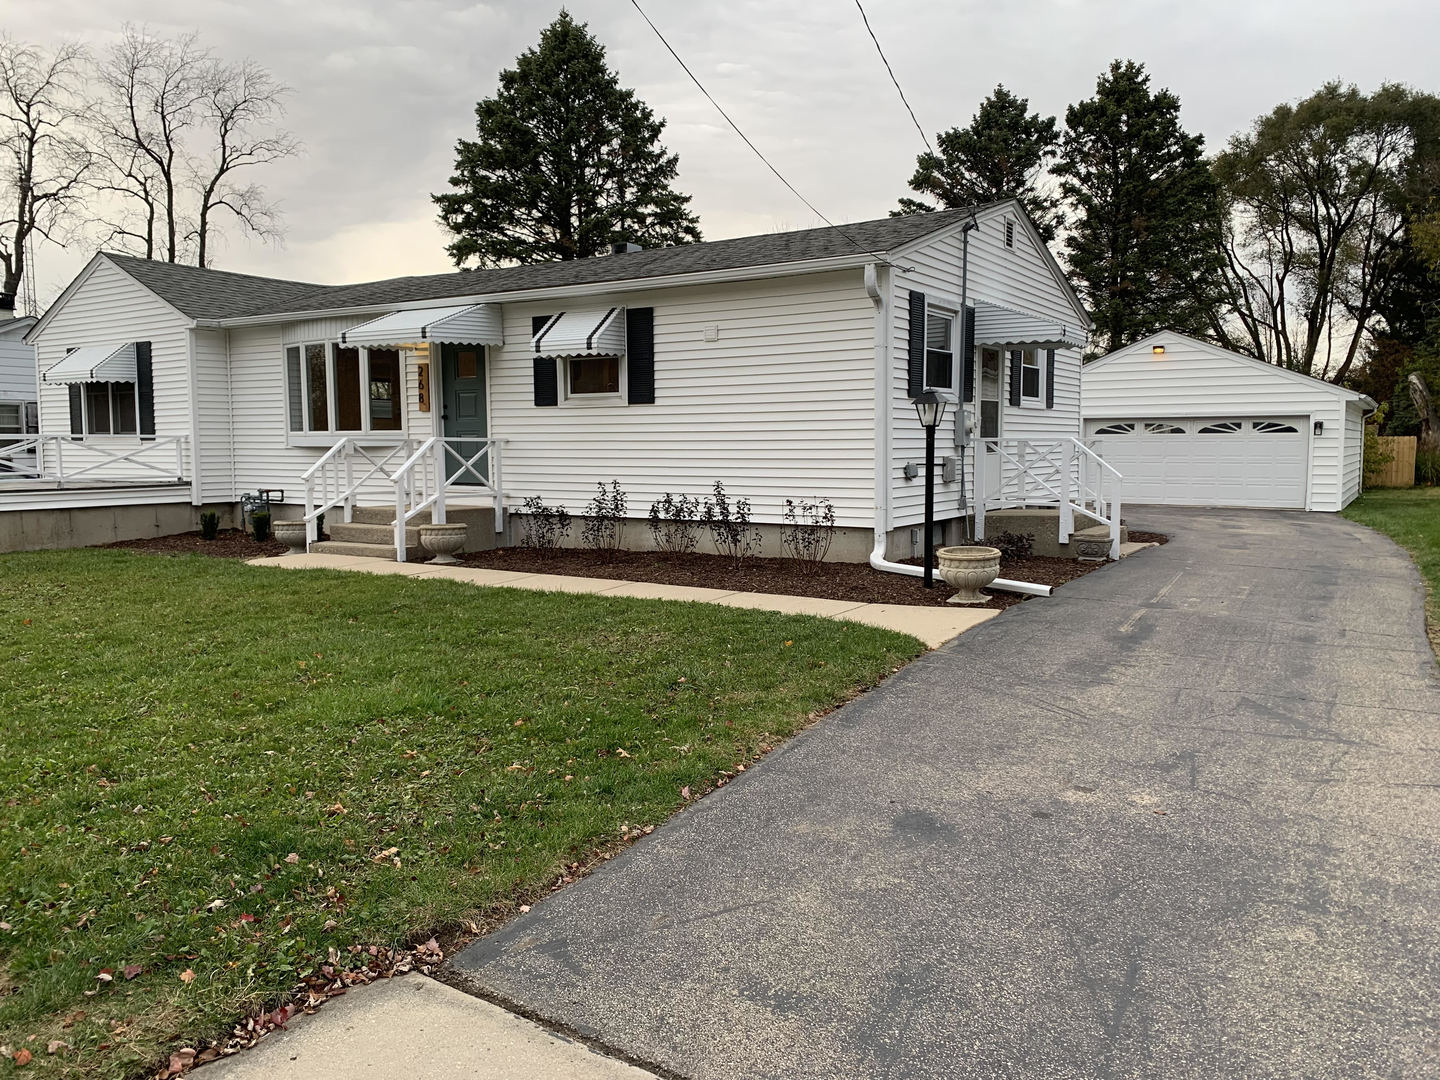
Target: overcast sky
[(383, 88)]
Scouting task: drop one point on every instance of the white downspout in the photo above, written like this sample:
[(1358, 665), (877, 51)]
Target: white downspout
[(878, 288)]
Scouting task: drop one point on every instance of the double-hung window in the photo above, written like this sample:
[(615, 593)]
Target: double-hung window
[(1030, 375), (939, 350), (333, 387), (109, 408)]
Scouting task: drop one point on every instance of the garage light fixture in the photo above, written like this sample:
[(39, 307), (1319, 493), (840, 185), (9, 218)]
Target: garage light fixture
[(1158, 350), (1319, 428)]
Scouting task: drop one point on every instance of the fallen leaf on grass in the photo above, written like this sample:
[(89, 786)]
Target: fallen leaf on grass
[(4, 926), (685, 792), (187, 976), (292, 858), (22, 1058), (105, 976), (132, 970), (54, 1046)]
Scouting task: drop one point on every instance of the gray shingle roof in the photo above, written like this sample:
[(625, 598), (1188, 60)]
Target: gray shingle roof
[(218, 294), (213, 294)]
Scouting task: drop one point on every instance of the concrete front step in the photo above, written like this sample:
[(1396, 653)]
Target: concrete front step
[(378, 515), (371, 551), (357, 532)]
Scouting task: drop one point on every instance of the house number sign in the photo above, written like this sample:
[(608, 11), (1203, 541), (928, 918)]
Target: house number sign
[(424, 394)]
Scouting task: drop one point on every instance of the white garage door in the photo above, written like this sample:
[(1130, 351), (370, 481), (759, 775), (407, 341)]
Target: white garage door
[(1227, 461)]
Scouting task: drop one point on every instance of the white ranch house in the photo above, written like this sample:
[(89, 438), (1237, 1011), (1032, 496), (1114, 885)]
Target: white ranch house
[(1192, 424), (780, 364)]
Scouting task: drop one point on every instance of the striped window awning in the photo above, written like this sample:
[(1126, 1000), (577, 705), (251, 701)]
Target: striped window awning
[(471, 324), (596, 332), (95, 363), (1006, 328)]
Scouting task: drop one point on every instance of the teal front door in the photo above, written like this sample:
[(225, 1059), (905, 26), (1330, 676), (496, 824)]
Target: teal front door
[(462, 382)]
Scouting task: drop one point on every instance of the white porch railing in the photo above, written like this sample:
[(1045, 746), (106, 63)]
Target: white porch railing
[(1063, 473), (418, 473), (65, 459)]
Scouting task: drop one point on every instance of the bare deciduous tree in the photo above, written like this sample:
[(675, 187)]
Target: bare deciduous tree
[(175, 125), (44, 164), (1319, 194)]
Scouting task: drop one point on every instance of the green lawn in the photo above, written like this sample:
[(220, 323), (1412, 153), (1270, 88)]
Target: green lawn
[(1410, 517), (176, 732)]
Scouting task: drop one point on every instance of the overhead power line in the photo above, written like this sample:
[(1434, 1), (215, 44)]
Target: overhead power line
[(886, 61), (745, 138)]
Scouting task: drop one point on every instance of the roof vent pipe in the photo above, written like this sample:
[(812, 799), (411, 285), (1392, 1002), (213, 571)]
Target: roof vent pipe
[(624, 248)]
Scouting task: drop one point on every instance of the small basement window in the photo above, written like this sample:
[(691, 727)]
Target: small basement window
[(1030, 374), (592, 375)]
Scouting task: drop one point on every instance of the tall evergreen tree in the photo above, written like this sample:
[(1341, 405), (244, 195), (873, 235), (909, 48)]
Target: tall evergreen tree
[(1143, 247), (565, 162), (1001, 155)]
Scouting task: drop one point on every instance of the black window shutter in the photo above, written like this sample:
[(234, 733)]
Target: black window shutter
[(144, 390), (77, 410), (916, 380), (1016, 359), (547, 383), (1049, 378), (640, 355), (968, 349)]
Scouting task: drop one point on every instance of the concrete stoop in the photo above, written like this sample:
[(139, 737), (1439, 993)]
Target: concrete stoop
[(369, 551), (370, 533), (1044, 525)]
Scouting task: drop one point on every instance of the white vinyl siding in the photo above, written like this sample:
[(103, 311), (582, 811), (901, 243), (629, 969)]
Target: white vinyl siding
[(108, 307), (1352, 466), (213, 414), (780, 406), (1193, 379), (1021, 278), (17, 367)]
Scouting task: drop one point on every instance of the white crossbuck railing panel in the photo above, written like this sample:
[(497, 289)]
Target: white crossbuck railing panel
[(1063, 473), (66, 459), (418, 473)]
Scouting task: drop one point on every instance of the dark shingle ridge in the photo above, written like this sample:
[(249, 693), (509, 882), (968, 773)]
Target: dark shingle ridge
[(220, 294)]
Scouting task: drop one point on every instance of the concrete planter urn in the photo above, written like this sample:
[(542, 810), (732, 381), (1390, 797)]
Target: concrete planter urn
[(291, 534), (968, 570), (443, 541)]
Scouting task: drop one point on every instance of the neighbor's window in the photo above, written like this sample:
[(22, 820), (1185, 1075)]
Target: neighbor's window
[(592, 375), (333, 387), (939, 349), (1030, 374), (10, 416), (109, 408)]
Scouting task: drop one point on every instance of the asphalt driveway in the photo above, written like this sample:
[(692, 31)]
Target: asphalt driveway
[(1180, 820)]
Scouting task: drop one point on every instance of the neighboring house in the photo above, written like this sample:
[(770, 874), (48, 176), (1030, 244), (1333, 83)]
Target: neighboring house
[(18, 399), (1191, 424), (780, 364)]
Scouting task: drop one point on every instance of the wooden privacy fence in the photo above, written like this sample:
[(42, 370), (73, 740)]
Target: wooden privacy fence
[(1400, 471)]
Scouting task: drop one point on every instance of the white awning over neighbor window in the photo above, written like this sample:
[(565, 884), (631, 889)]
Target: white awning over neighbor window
[(595, 332), (95, 363), (1006, 328), (472, 324)]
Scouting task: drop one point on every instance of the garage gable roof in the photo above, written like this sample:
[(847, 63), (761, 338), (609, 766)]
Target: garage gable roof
[(1146, 344)]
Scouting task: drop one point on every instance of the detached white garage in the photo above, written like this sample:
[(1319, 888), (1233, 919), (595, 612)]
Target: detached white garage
[(1191, 424)]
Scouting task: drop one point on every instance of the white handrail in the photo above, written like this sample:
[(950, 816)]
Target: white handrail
[(422, 481), (1063, 473), (50, 451)]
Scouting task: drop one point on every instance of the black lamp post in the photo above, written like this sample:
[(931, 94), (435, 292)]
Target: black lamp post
[(930, 405)]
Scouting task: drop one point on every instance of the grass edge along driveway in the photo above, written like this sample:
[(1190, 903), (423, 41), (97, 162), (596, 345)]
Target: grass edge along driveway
[(1410, 517), (213, 774)]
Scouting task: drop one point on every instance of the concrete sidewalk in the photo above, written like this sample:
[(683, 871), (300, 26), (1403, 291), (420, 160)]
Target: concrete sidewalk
[(932, 625), (414, 1026)]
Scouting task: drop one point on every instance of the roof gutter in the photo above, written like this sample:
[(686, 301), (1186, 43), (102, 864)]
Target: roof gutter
[(702, 277)]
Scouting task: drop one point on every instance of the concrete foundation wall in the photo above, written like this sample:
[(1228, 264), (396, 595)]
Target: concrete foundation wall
[(849, 545), (89, 526)]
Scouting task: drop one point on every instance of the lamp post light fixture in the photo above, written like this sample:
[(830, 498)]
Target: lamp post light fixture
[(930, 407)]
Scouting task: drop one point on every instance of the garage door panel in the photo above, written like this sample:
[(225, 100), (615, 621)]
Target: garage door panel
[(1240, 461)]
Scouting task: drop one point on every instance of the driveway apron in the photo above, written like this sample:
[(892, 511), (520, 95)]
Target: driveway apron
[(1178, 821)]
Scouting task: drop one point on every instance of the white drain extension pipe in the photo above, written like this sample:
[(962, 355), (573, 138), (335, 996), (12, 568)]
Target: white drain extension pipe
[(879, 562)]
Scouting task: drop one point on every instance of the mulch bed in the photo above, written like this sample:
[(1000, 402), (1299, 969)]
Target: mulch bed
[(229, 544), (1137, 537), (830, 581)]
